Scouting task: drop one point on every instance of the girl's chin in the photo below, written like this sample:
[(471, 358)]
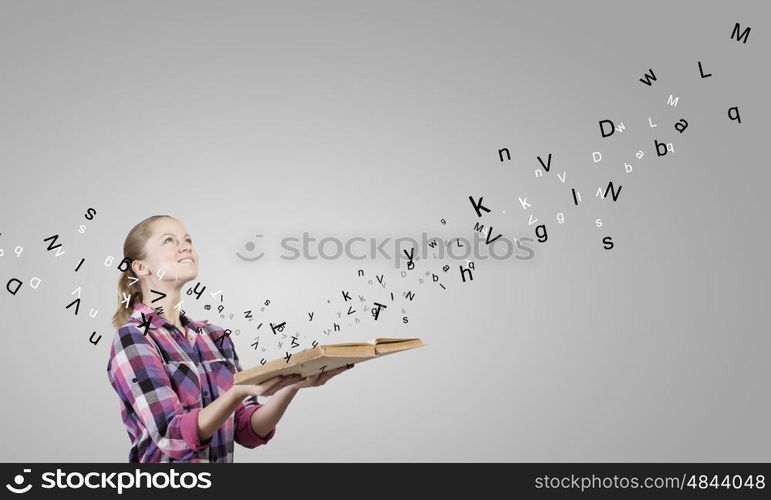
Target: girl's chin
[(185, 276)]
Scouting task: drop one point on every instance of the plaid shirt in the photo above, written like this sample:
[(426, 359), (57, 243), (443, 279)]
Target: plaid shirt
[(163, 383)]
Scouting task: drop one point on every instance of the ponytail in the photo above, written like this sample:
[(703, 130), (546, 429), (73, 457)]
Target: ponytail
[(128, 283), (126, 290)]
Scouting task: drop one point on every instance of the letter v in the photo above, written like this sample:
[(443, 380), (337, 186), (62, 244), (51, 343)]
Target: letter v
[(489, 232), (548, 163)]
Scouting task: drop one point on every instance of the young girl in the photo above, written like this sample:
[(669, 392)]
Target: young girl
[(174, 375)]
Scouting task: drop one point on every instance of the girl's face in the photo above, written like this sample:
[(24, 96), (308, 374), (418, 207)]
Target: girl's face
[(169, 253)]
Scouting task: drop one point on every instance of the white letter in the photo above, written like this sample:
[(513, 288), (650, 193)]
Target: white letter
[(48, 481)]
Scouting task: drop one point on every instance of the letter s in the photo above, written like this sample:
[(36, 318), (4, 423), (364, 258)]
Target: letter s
[(530, 251), (48, 476), (291, 249), (204, 480)]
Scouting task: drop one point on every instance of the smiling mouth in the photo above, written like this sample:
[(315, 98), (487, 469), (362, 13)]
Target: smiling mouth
[(185, 261)]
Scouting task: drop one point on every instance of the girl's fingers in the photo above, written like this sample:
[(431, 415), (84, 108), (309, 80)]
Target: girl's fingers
[(324, 377), (285, 381), (337, 371), (272, 381), (273, 384), (291, 380)]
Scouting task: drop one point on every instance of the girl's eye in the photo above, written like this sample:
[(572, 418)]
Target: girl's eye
[(167, 239)]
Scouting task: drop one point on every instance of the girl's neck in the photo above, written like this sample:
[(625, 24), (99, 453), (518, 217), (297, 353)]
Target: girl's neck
[(167, 303)]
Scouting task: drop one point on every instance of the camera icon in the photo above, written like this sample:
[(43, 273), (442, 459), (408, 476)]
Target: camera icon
[(19, 480)]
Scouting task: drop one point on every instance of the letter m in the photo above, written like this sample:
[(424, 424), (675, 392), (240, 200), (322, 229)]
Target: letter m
[(745, 33), (671, 102), (479, 227)]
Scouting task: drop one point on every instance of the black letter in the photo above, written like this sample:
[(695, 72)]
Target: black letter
[(648, 78), (8, 285), (657, 144), (548, 162), (701, 72), (463, 273), (682, 126), (478, 206), (737, 118), (744, 34), (541, 237), (602, 130), (612, 191)]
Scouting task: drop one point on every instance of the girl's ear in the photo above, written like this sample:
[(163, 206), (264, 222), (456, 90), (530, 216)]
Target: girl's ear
[(140, 268)]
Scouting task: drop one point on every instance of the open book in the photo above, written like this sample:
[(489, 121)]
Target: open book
[(324, 357)]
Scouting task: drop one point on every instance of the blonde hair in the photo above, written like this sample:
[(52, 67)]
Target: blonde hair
[(133, 249)]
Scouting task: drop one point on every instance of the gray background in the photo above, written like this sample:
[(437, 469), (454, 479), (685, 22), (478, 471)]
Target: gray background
[(378, 120)]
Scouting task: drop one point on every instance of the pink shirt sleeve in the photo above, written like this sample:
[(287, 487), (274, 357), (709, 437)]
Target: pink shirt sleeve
[(244, 432), (189, 429)]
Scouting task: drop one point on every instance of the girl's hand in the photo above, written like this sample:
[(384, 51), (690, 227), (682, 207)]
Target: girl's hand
[(318, 379), (266, 388)]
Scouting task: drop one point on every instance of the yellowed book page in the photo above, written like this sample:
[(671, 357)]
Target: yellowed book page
[(388, 340), (275, 367), (357, 350), (328, 357), (392, 347), (310, 367), (349, 344)]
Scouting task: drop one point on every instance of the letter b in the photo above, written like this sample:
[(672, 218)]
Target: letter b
[(658, 145)]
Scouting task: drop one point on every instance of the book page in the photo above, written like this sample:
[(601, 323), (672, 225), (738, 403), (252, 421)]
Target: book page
[(324, 357), (401, 345), (310, 367)]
